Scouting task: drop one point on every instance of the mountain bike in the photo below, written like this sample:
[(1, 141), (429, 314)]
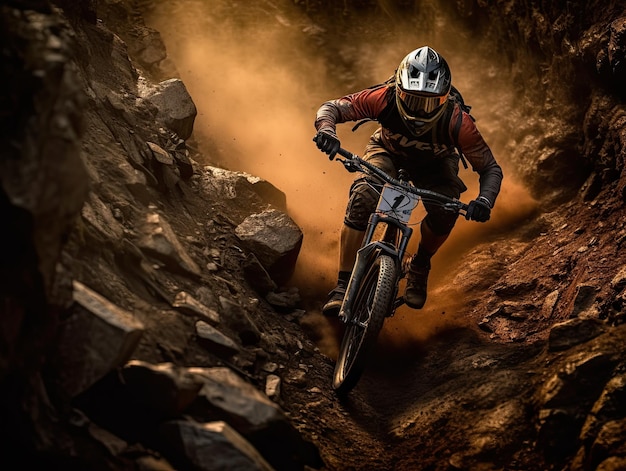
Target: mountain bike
[(372, 291)]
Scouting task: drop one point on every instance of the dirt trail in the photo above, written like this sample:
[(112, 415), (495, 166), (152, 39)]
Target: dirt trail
[(417, 402)]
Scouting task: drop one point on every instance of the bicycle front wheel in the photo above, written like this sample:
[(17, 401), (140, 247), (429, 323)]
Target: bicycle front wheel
[(372, 303)]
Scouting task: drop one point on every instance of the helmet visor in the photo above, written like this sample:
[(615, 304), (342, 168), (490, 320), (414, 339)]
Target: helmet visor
[(421, 105)]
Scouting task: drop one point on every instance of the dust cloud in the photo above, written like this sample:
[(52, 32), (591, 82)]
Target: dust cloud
[(257, 78), (257, 95)]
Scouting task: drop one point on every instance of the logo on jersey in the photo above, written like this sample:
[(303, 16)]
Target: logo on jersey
[(399, 141)]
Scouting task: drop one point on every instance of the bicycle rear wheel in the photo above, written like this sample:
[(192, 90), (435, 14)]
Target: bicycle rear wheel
[(372, 304)]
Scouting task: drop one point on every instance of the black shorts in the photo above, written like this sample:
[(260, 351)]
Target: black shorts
[(439, 175)]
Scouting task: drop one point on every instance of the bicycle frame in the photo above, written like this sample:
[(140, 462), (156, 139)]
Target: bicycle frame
[(396, 223)]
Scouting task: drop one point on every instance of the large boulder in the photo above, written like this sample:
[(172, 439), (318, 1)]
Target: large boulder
[(275, 239), (176, 109)]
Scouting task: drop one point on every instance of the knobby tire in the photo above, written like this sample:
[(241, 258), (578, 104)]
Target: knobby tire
[(372, 304)]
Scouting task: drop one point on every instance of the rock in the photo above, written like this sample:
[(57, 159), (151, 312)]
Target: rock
[(207, 297), (99, 217), (547, 308), (257, 275), (485, 325), (617, 49), (153, 463), (585, 392), (585, 297), (275, 239), (168, 167), (297, 377), (613, 463), (176, 109), (150, 50), (611, 441), (238, 319), (246, 408), (211, 446), (136, 182), (215, 341), (284, 300), (610, 404), (43, 180), (242, 186), (574, 332), (160, 154), (164, 389), (272, 386), (582, 378), (97, 337), (517, 310), (619, 280), (189, 305), (252, 414), (158, 239)]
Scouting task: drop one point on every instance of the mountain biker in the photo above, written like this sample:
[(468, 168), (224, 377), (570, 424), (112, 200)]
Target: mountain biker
[(416, 133)]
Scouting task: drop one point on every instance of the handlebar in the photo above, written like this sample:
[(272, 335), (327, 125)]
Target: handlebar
[(354, 163)]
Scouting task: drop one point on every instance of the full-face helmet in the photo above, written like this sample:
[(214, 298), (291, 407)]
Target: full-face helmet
[(423, 82)]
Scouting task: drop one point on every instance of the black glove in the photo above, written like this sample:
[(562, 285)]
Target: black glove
[(327, 142), (479, 210)]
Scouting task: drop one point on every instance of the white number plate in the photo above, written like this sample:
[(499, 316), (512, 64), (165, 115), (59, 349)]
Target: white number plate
[(396, 204)]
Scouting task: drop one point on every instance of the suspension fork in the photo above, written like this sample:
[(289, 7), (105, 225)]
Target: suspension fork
[(390, 237), (367, 253)]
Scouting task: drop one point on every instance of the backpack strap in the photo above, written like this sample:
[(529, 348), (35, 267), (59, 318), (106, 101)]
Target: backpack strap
[(361, 123), (455, 136)]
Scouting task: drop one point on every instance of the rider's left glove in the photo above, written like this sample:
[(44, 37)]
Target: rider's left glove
[(479, 210), (328, 142)]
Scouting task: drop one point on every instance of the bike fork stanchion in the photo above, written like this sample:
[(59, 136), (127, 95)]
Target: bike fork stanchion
[(363, 257)]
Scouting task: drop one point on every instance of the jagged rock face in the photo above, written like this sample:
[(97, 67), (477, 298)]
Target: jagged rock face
[(570, 61), (88, 152), (187, 353), (43, 180)]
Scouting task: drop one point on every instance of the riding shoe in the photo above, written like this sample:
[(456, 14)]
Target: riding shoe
[(335, 300), (417, 280)]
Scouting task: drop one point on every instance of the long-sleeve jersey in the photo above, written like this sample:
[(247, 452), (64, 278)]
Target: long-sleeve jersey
[(378, 103)]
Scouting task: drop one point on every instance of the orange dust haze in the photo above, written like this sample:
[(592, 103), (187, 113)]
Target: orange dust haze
[(257, 79)]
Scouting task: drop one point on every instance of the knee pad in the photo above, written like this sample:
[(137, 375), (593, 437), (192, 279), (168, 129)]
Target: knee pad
[(362, 203)]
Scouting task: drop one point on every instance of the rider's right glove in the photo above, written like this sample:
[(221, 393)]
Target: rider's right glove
[(328, 142), (479, 210)]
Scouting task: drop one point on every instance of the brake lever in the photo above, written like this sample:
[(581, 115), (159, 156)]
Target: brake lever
[(350, 165), (455, 208)]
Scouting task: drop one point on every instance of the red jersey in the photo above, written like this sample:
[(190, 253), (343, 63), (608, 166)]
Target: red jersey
[(378, 103)]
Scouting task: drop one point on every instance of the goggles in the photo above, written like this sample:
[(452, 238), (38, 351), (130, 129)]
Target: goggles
[(421, 105)]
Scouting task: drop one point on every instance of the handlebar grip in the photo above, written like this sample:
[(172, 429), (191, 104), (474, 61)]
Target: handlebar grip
[(345, 153)]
